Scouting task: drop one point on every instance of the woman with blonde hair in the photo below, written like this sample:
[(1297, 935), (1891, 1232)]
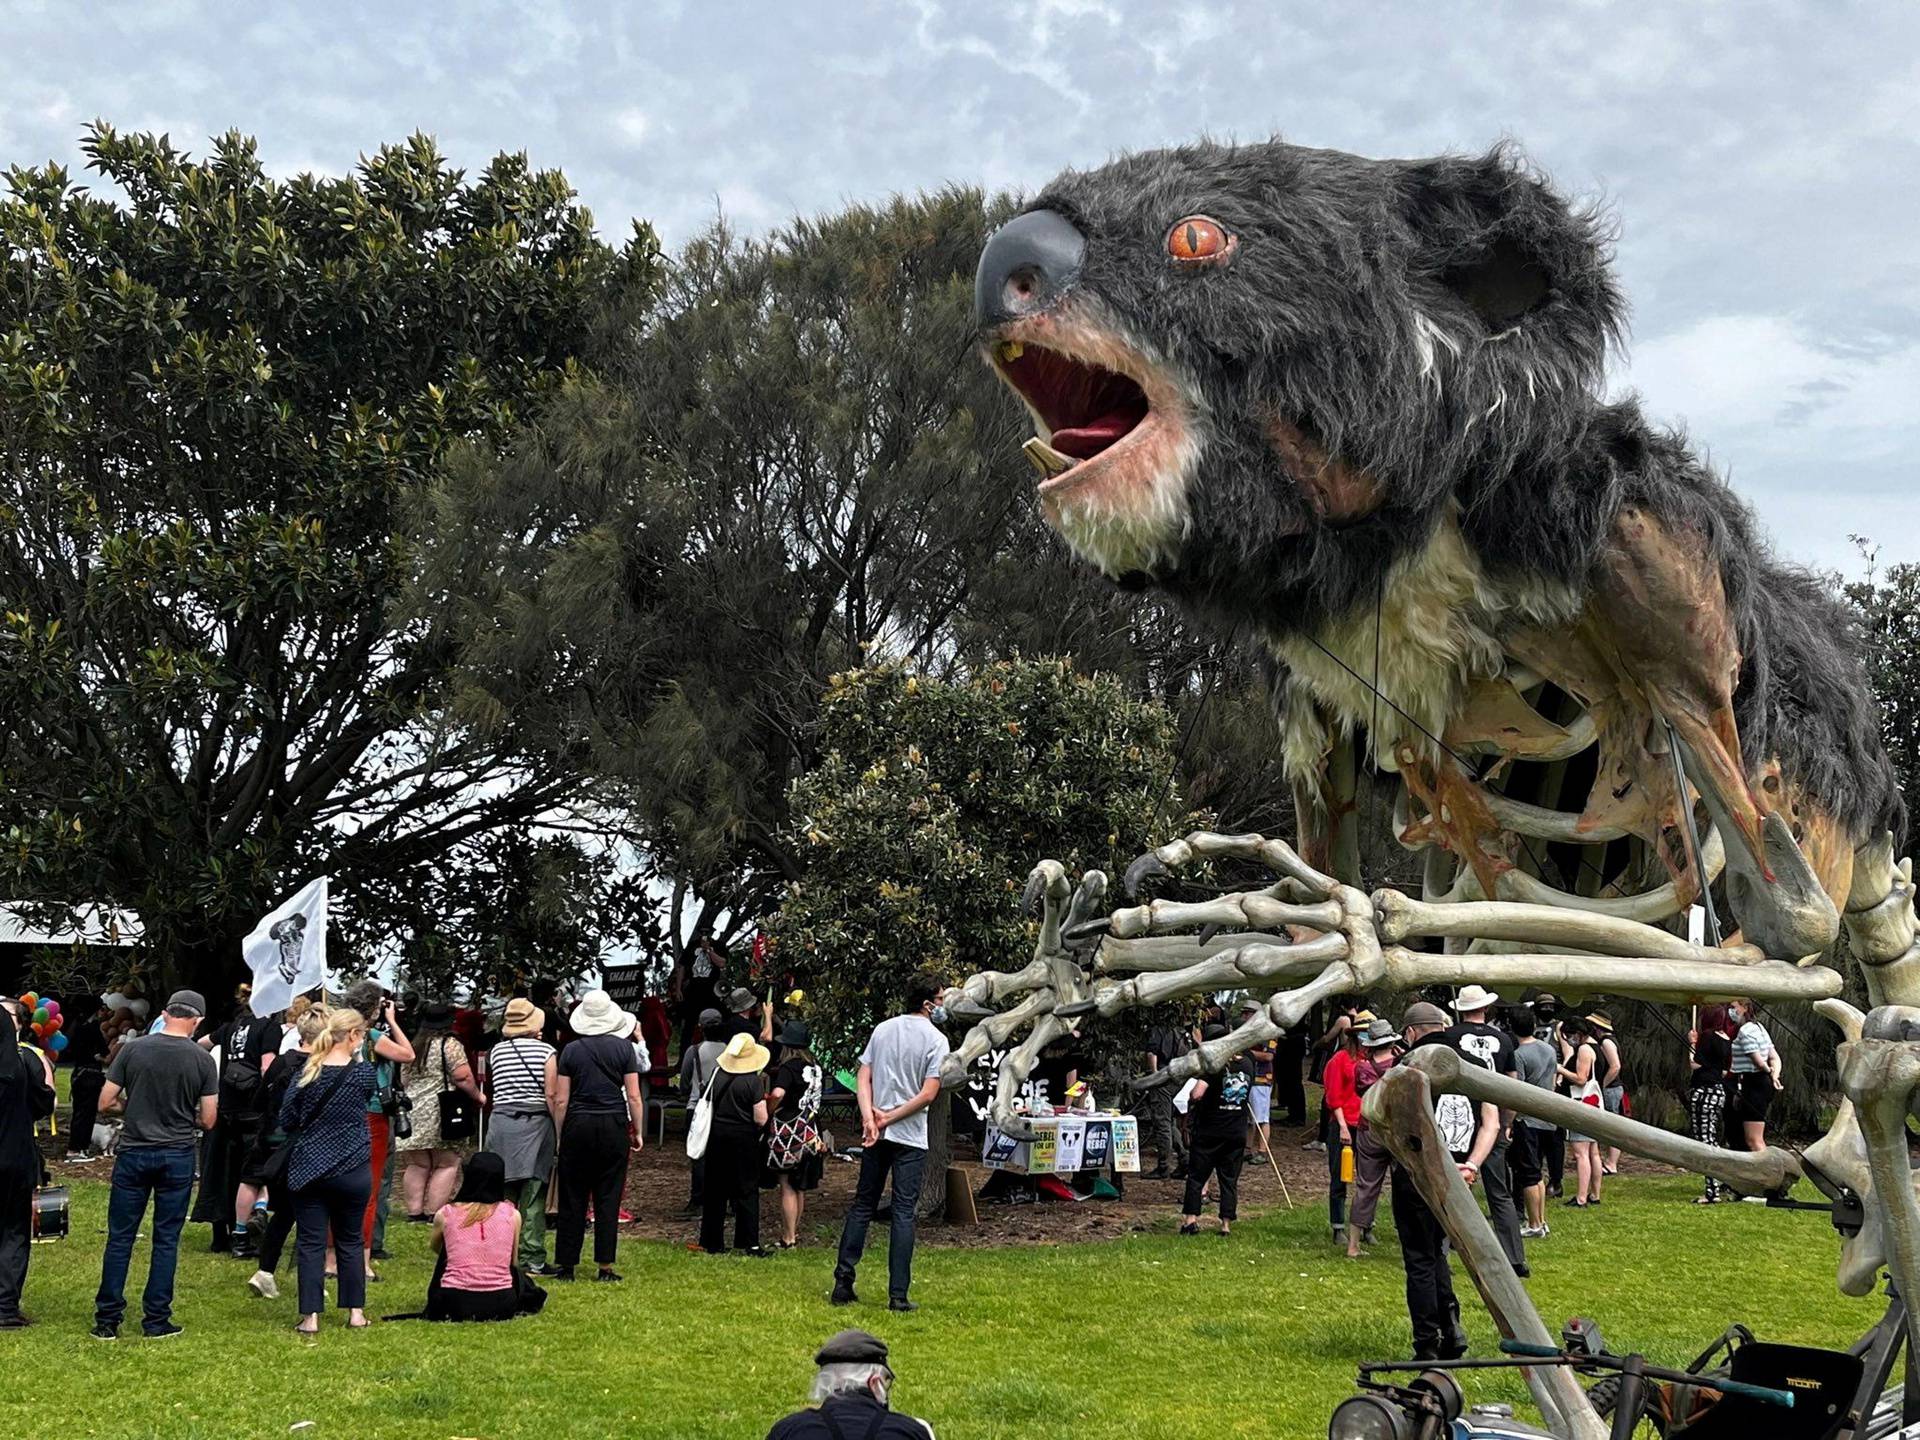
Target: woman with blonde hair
[(476, 1234), (329, 1164)]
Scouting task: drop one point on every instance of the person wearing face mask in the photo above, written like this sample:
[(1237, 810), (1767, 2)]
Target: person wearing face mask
[(899, 1079), (1755, 1076)]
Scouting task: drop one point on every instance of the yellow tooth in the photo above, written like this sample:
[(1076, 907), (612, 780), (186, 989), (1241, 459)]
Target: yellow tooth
[(1012, 350), (1047, 460)]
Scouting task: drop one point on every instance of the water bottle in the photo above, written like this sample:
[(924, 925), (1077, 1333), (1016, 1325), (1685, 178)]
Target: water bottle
[(1346, 1164)]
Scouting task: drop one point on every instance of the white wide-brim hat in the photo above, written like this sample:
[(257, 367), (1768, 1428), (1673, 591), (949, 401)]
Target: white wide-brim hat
[(1474, 998), (596, 1014)]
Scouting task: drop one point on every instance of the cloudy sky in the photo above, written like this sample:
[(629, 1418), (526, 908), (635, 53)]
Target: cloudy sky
[(1763, 158)]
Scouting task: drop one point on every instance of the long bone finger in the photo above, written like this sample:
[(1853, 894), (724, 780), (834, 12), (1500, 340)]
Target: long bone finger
[(990, 1034), (1399, 917), (1680, 981), (1168, 952), (1765, 1170), (1260, 966), (1015, 1066), (988, 988), (1283, 1012), (1255, 909), (1399, 1110), (1276, 855)]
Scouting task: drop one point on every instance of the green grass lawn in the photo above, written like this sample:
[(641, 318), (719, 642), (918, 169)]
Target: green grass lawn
[(1152, 1338)]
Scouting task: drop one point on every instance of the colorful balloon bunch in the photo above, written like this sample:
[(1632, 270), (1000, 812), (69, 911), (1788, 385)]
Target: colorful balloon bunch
[(45, 1021)]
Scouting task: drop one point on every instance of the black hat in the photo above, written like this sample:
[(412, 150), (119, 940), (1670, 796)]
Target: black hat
[(483, 1181), (436, 1012), (1213, 1031), (796, 1034), (852, 1347), (740, 1000)]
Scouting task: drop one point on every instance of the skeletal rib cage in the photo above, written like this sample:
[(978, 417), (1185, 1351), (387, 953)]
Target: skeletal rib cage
[(1307, 937)]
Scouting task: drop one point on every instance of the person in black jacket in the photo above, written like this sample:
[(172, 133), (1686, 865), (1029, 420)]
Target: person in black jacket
[(852, 1387), (26, 1095)]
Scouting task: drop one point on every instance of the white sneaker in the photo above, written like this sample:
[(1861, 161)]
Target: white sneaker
[(1534, 1232), (264, 1285)]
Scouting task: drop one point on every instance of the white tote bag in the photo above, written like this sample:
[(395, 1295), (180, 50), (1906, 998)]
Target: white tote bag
[(702, 1123)]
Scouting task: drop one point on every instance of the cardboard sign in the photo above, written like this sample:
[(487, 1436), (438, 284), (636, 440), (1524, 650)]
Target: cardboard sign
[(1126, 1144), (1070, 1144)]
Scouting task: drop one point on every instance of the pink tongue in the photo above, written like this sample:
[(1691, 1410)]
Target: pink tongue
[(1083, 442)]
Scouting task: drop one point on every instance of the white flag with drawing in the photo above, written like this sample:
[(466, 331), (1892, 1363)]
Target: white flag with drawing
[(287, 951)]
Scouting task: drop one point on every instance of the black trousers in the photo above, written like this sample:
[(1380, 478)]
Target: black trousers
[(86, 1087), (1290, 1086), (1502, 1210), (1215, 1157), (1553, 1156), (593, 1166), (16, 1238), (1336, 1187), (733, 1183), (1431, 1305), (337, 1204), (279, 1227)]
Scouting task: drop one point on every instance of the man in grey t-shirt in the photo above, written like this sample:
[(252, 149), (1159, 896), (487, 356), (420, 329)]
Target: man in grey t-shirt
[(899, 1079), (1534, 1061), (170, 1088)]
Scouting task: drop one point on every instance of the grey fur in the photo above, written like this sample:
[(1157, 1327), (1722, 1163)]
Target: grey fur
[(1441, 325)]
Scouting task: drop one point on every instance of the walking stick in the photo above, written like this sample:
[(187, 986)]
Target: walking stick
[(1284, 1194)]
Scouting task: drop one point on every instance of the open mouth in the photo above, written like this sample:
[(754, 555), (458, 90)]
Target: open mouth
[(1081, 410)]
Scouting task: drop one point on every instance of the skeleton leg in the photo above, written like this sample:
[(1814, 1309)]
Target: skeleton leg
[(1399, 917), (1881, 924), (1880, 1077), (1400, 1110)]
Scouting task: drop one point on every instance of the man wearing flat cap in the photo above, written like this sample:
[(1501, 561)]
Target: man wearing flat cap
[(852, 1389)]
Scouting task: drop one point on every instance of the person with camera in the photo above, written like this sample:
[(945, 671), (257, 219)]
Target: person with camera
[(387, 1049)]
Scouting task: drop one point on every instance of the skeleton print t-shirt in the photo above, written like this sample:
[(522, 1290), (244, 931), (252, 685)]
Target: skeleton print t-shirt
[(1221, 1113), (1456, 1116)]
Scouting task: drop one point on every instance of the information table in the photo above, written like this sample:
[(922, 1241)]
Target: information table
[(1067, 1143)]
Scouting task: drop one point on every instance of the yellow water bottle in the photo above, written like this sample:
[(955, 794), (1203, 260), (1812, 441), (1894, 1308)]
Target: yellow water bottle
[(1346, 1164)]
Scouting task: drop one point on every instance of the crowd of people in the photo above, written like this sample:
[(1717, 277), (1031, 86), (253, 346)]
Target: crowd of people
[(304, 1126)]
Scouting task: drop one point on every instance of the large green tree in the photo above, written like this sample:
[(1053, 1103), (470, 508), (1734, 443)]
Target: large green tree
[(224, 664), (792, 464)]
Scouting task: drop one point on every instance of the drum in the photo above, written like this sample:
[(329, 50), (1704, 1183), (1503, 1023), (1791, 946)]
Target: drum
[(51, 1213)]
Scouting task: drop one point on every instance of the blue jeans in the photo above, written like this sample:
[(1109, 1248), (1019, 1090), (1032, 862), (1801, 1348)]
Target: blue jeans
[(166, 1173), (877, 1161)]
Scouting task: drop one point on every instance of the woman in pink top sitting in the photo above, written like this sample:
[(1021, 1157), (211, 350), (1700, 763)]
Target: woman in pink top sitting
[(477, 1235)]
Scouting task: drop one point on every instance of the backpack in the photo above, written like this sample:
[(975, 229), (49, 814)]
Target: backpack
[(240, 1074)]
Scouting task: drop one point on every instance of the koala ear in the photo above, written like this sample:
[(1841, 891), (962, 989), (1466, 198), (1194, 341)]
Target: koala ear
[(1492, 235)]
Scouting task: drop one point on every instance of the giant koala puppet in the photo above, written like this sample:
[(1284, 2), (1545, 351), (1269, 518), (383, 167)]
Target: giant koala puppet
[(1353, 409)]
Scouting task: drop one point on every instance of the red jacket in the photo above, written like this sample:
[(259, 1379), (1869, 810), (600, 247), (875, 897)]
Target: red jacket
[(1342, 1086)]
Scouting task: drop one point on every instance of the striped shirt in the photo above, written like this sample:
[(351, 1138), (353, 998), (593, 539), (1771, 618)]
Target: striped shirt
[(517, 1073), (1749, 1046)]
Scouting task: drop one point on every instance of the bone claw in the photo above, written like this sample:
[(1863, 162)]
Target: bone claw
[(1094, 929), (1147, 867), (964, 1009), (1072, 1008)]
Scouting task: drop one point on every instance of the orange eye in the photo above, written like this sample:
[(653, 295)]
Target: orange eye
[(1198, 240)]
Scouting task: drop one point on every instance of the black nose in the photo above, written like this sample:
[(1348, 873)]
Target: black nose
[(1030, 262)]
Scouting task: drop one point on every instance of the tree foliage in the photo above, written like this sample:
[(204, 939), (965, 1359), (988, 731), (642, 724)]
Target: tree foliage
[(793, 465), (932, 800), (222, 399)]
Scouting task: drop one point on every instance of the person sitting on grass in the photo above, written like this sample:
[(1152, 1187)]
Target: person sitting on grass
[(853, 1388), (1217, 1110), (476, 1235)]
